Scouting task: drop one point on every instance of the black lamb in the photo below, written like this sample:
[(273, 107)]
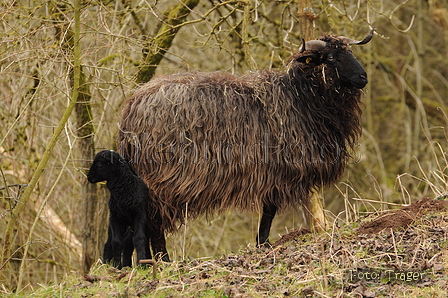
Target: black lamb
[(128, 205)]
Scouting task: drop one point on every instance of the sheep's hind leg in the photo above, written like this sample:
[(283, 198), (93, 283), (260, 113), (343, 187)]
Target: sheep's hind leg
[(269, 212)]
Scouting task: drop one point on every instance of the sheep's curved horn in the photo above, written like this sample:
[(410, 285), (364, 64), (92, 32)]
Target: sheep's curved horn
[(350, 41), (312, 45), (302, 48)]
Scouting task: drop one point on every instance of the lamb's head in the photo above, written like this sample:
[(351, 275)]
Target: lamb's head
[(104, 166), (332, 56)]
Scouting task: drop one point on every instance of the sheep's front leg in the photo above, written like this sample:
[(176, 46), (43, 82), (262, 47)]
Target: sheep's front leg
[(269, 212)]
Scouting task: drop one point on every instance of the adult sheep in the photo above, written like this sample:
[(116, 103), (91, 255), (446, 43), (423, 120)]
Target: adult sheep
[(207, 142), (128, 206)]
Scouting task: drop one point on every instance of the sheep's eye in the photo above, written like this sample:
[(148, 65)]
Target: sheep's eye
[(330, 58), (309, 60)]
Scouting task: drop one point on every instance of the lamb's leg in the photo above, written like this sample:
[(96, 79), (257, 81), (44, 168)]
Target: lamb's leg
[(139, 239), (157, 233), (107, 252), (265, 225), (128, 248), (158, 244), (118, 232), (147, 246)]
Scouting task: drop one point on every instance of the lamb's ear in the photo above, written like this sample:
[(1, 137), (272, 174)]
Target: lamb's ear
[(311, 58)]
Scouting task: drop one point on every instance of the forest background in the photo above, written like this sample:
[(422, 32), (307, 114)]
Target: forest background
[(66, 69)]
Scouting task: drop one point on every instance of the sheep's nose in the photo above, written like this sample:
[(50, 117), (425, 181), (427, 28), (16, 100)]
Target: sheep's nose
[(363, 77), (358, 80)]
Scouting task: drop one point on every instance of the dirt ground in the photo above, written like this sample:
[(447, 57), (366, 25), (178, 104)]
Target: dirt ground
[(394, 219), (402, 218)]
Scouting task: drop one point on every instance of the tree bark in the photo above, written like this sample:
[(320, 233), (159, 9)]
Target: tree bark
[(314, 211), (306, 17), (93, 220), (164, 38), (94, 206)]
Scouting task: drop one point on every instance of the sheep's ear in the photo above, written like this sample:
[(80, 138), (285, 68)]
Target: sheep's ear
[(311, 59)]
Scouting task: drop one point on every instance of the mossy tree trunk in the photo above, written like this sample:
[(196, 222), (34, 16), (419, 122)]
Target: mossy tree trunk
[(160, 44), (94, 207), (314, 211)]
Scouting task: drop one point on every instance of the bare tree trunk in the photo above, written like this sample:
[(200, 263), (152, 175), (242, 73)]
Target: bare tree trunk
[(95, 217)]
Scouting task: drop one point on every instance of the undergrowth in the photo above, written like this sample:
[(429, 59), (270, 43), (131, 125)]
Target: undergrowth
[(407, 262)]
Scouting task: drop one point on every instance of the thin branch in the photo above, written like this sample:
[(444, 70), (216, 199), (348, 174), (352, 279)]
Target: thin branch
[(23, 200)]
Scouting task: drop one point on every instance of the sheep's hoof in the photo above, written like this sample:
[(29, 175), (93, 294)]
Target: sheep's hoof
[(265, 245), (164, 257)]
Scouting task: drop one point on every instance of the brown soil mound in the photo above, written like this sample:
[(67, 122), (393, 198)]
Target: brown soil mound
[(290, 236), (403, 217)]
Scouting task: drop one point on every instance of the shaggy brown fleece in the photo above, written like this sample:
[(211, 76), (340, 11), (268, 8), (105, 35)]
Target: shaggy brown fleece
[(207, 142)]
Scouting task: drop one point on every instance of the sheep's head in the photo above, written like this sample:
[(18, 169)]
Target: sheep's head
[(104, 165), (334, 52)]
